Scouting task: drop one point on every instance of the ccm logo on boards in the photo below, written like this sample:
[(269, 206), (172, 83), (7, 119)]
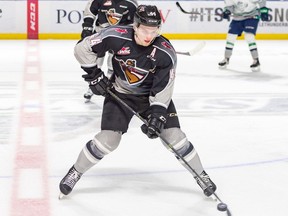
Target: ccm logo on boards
[(32, 21)]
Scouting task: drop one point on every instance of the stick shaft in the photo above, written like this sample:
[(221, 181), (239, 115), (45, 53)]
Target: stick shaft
[(165, 141), (159, 135)]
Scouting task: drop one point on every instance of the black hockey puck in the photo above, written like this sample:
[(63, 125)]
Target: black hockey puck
[(222, 207)]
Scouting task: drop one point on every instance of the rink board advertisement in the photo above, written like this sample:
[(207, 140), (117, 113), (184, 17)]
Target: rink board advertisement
[(13, 18), (60, 19)]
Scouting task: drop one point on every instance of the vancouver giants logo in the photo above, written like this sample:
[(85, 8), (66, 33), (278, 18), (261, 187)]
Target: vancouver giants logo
[(133, 74), (113, 17)]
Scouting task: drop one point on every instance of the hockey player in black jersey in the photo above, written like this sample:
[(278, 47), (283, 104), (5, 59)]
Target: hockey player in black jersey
[(144, 64), (100, 14)]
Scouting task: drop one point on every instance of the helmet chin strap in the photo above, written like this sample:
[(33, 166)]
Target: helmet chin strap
[(136, 37)]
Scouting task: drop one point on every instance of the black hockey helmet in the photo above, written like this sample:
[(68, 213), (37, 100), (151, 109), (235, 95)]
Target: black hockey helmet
[(147, 15)]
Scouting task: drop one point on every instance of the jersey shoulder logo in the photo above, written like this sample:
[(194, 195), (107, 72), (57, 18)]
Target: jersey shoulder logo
[(121, 31), (166, 45), (107, 3)]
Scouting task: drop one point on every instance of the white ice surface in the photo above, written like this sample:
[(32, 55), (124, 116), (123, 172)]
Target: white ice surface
[(236, 119)]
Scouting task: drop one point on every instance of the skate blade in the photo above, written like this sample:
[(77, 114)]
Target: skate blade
[(61, 195), (256, 69), (213, 198), (222, 67)]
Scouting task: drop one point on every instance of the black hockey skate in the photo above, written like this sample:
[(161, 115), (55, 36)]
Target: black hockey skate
[(223, 64), (255, 66), (206, 184), (68, 182), (88, 95)]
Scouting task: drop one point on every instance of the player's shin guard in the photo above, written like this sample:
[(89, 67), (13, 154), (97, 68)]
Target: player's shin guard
[(191, 156), (88, 157)]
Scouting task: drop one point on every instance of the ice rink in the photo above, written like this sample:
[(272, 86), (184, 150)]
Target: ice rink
[(236, 119)]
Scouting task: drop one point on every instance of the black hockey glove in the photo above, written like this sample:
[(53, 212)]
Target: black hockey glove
[(264, 14), (226, 14), (98, 82), (87, 30), (156, 121)]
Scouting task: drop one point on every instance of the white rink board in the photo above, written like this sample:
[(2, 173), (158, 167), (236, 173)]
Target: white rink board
[(66, 17), (13, 17)]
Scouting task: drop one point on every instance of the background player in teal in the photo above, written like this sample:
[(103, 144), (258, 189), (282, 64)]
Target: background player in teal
[(246, 15)]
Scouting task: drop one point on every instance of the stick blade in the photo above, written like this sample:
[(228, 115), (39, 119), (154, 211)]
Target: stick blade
[(180, 8), (197, 48), (61, 196), (193, 51)]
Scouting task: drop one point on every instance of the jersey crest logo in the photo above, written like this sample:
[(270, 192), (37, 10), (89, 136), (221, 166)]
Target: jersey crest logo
[(113, 17), (124, 51), (133, 74), (121, 31)]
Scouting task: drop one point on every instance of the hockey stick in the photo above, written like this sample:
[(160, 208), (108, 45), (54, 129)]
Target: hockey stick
[(192, 12), (221, 206), (193, 51)]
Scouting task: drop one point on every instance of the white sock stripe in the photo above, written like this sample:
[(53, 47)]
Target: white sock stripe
[(101, 147), (180, 144), (90, 157), (190, 156)]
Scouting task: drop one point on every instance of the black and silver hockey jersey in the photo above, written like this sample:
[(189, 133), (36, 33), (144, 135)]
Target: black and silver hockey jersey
[(110, 12), (138, 70)]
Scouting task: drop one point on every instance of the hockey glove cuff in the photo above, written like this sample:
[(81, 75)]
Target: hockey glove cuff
[(264, 14), (226, 14), (156, 121), (89, 70), (98, 82)]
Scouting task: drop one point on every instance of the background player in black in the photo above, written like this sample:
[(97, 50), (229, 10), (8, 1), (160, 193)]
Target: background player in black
[(99, 14), (144, 64)]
